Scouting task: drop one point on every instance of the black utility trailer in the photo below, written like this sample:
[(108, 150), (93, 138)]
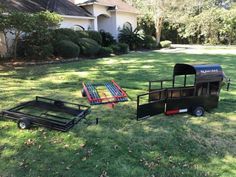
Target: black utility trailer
[(50, 113), (198, 91)]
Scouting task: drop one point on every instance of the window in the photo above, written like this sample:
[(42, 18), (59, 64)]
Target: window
[(77, 28), (127, 25), (190, 79)]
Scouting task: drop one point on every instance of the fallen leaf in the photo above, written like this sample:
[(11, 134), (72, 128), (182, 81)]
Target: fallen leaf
[(66, 146), (29, 142), (104, 174)]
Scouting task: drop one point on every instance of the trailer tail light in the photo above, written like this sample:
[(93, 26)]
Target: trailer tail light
[(176, 111)]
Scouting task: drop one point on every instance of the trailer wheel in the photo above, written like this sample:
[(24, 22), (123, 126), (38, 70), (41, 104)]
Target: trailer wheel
[(83, 93), (24, 123), (198, 111)]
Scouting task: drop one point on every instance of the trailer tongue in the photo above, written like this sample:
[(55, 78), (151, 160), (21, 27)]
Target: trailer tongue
[(198, 92)]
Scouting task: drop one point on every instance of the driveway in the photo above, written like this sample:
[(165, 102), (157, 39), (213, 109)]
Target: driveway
[(200, 49)]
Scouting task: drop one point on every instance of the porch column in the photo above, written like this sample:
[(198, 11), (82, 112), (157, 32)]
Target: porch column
[(95, 24)]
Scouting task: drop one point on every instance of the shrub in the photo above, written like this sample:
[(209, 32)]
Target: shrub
[(131, 37), (82, 34), (107, 39), (39, 52), (116, 49), (120, 48), (21, 48), (67, 49), (88, 47), (36, 45), (47, 50), (64, 34), (95, 36), (165, 44), (149, 42), (124, 48), (34, 51), (105, 51)]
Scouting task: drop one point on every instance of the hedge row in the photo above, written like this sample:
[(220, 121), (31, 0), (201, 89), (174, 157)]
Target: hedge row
[(68, 43)]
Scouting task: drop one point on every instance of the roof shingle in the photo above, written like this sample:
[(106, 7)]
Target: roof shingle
[(62, 7)]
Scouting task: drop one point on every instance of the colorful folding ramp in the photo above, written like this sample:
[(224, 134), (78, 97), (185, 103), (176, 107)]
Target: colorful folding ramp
[(104, 93)]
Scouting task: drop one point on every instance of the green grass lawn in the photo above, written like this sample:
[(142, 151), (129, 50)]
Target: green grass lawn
[(162, 146)]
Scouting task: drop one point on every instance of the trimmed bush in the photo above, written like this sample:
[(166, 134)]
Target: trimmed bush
[(116, 49), (107, 39), (88, 47), (67, 49), (36, 45), (124, 48), (46, 51), (30, 51), (82, 34), (64, 34), (120, 48), (165, 44), (105, 51), (95, 36), (149, 42)]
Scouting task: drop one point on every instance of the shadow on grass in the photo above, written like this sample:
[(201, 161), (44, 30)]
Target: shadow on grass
[(160, 146), (119, 146)]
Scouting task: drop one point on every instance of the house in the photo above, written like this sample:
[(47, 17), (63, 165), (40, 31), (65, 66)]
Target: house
[(110, 15), (107, 15)]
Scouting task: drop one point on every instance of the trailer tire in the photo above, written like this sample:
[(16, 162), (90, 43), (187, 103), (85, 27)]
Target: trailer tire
[(24, 123), (198, 111), (83, 93)]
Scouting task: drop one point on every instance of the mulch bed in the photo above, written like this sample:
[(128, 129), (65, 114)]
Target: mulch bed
[(21, 63)]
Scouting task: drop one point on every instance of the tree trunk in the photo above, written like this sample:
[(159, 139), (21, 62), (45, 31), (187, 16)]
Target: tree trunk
[(230, 37), (15, 45), (159, 23), (6, 42)]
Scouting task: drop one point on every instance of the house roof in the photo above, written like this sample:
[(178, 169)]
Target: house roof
[(117, 5), (62, 7)]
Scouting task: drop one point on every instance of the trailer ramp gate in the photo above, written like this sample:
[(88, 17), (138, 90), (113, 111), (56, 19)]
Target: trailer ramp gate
[(154, 104)]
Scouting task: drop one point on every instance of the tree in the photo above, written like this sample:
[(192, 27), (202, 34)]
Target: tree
[(131, 37), (17, 24), (228, 29), (147, 24), (4, 26), (159, 10), (181, 13)]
